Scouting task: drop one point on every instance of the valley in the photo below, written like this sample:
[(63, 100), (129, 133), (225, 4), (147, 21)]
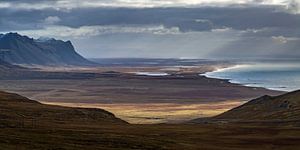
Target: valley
[(182, 96), (27, 124)]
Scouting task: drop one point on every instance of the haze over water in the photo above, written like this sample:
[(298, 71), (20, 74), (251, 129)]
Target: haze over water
[(281, 76)]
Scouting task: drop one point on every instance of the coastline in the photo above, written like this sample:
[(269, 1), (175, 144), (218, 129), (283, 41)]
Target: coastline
[(225, 74), (181, 96)]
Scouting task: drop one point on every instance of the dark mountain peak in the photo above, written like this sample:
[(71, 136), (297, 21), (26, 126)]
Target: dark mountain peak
[(42, 51), (45, 39), (13, 36), (51, 40), (69, 42)]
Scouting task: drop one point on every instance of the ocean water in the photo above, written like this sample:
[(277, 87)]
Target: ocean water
[(275, 75)]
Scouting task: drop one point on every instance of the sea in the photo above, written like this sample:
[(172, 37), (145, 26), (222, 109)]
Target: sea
[(282, 76)]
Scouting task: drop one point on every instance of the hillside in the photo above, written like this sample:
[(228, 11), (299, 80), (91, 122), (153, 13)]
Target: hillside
[(281, 109), (24, 50), (27, 124), (18, 111)]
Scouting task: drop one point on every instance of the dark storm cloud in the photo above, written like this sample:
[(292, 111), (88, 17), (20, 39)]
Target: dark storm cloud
[(70, 4), (187, 19)]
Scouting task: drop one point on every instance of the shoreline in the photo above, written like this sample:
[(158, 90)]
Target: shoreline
[(236, 81), (142, 99)]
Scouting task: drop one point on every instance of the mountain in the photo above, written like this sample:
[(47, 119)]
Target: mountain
[(24, 50), (283, 108), (17, 110)]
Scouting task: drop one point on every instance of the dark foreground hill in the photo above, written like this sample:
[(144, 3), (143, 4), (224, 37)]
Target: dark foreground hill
[(24, 50), (28, 125), (18, 111), (283, 109)]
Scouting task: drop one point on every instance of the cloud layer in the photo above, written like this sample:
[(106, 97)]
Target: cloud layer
[(91, 31), (156, 28), (71, 4)]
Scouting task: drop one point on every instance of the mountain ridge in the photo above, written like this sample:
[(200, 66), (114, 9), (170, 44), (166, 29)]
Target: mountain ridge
[(25, 50)]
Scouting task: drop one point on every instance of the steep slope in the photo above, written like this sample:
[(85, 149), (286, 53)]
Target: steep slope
[(25, 50), (16, 111)]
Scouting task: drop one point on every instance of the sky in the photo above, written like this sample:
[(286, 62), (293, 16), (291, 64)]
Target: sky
[(162, 28)]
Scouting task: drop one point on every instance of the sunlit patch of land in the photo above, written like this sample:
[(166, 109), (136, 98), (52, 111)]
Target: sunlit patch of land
[(151, 113)]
